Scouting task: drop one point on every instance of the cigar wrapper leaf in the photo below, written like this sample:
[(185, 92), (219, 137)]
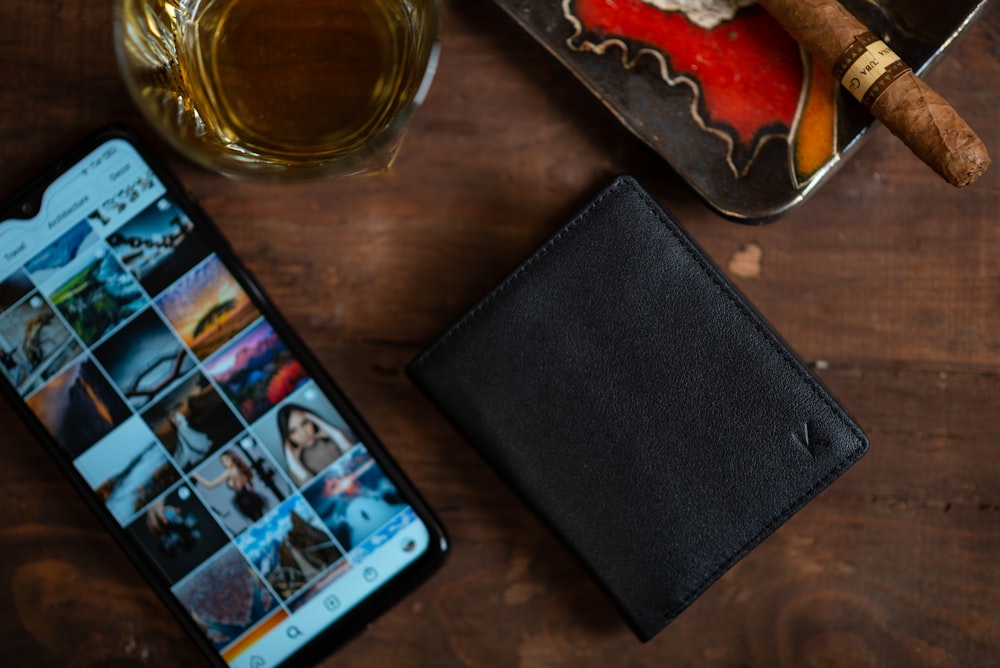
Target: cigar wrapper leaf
[(912, 111)]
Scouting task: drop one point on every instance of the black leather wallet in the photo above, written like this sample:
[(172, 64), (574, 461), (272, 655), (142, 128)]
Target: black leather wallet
[(639, 404)]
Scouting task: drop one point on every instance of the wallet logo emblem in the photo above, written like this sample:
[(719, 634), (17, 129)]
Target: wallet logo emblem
[(809, 438)]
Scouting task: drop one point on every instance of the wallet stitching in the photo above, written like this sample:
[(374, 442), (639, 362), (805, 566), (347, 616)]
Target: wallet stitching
[(764, 531), (655, 210), (706, 268), (818, 392), (792, 363)]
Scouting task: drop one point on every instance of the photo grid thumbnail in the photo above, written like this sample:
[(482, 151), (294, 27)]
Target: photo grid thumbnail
[(79, 407), (144, 358), (290, 548), (305, 433), (97, 297), (34, 343), (158, 245), (256, 370), (178, 532), (62, 252), (192, 420), (353, 498), (207, 307), (226, 597), (240, 484), (14, 288), (128, 469)]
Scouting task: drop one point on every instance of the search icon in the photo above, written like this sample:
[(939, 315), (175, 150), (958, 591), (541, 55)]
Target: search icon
[(294, 632)]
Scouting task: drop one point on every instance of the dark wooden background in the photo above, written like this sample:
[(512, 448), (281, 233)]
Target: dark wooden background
[(887, 281)]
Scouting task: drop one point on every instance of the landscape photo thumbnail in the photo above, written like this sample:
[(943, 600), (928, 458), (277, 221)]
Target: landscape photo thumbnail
[(61, 252), (127, 469), (98, 298), (256, 371), (207, 307), (79, 407)]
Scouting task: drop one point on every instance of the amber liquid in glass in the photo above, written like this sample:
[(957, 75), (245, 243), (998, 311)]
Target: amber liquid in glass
[(292, 84)]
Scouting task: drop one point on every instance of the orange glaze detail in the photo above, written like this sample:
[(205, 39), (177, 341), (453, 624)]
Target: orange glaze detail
[(748, 73), (815, 138)]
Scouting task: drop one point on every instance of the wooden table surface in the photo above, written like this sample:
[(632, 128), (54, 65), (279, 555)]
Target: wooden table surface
[(887, 281)]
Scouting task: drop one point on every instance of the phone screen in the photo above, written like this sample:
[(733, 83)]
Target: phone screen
[(182, 408)]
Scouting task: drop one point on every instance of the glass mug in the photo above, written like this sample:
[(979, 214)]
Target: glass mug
[(279, 90)]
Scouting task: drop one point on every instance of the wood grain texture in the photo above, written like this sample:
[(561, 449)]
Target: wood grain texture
[(887, 280)]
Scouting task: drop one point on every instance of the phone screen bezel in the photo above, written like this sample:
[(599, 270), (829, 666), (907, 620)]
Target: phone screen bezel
[(379, 600)]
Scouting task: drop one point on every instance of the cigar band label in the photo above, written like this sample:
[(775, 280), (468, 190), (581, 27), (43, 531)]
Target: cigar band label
[(867, 67)]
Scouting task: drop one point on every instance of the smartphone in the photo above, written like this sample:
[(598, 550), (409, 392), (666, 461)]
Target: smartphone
[(192, 419)]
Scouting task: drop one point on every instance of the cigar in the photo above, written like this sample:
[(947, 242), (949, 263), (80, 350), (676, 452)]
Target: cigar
[(886, 86)]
